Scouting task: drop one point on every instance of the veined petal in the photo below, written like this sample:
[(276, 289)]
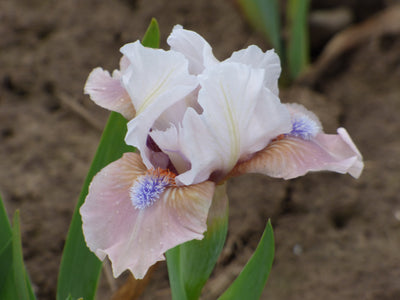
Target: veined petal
[(107, 92), (256, 58), (194, 47), (154, 72), (155, 80), (290, 157), (240, 116), (134, 238)]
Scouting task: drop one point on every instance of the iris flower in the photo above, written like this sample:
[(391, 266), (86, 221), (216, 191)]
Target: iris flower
[(196, 122)]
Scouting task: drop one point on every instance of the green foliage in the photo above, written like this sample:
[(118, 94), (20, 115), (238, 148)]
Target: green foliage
[(264, 15), (152, 36), (251, 281), (14, 280), (298, 43), (190, 264), (5, 246), (80, 268)]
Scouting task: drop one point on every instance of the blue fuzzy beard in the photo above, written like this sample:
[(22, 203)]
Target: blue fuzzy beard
[(304, 127), (148, 188)]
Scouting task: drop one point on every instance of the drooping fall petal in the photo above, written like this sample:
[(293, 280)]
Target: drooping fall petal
[(135, 238), (290, 157), (155, 80), (106, 91)]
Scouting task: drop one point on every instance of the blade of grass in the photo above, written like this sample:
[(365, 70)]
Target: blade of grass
[(22, 283), (251, 281), (5, 261), (5, 227), (298, 43), (7, 286), (5, 245), (80, 268), (14, 281), (264, 16)]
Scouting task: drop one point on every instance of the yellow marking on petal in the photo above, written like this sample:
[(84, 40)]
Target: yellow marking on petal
[(156, 92), (233, 130)]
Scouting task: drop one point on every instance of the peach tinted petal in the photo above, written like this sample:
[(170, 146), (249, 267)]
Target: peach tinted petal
[(133, 238), (291, 157), (108, 207), (107, 92)]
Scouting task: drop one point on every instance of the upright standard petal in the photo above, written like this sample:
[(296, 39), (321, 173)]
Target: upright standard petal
[(135, 236), (240, 116), (155, 80), (107, 92), (292, 156), (194, 47), (256, 58)]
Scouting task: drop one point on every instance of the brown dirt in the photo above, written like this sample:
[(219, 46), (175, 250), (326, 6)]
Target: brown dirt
[(336, 237)]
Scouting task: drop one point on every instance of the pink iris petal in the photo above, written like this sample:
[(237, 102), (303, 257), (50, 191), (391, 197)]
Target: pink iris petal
[(256, 58), (155, 81), (194, 47), (134, 238), (290, 157), (107, 92)]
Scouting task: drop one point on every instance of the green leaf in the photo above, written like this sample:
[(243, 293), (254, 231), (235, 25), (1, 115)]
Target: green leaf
[(5, 227), (298, 43), (152, 36), (251, 281), (18, 264), (80, 268), (264, 17), (5, 245), (190, 264), (5, 261), (14, 280), (174, 273)]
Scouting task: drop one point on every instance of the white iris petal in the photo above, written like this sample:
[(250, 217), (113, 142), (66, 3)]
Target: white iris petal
[(194, 47), (240, 116), (155, 80), (256, 58)]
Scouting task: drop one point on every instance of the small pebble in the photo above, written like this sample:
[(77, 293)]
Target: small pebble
[(297, 250)]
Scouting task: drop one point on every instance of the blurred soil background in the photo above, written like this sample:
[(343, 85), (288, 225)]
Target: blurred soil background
[(336, 237)]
